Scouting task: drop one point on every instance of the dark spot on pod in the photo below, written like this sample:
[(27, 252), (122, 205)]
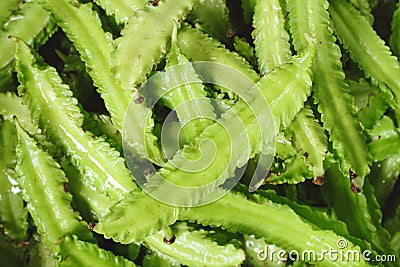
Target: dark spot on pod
[(318, 181), (65, 187), (117, 132), (147, 172), (379, 137), (354, 188), (154, 3), (91, 226), (230, 34), (352, 175), (139, 100), (306, 155), (169, 241)]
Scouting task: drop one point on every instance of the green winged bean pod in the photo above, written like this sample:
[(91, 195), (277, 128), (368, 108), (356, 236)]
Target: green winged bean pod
[(370, 105), (75, 252), (11, 105), (361, 212), (154, 259), (202, 251), (136, 216), (122, 10), (54, 109), (224, 164), (330, 90), (244, 49), (385, 139), (310, 139), (198, 46), (367, 49), (30, 23), (268, 220), (144, 41), (271, 40), (42, 183), (7, 7), (395, 36), (189, 100), (81, 25), (212, 17), (364, 9), (13, 215)]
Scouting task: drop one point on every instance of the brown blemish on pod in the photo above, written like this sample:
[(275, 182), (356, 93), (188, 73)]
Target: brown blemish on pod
[(319, 181), (169, 241), (139, 100), (91, 226), (354, 188), (230, 34), (154, 3)]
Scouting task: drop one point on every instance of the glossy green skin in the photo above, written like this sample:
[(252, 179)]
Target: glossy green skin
[(83, 27), (138, 215), (364, 8), (283, 113), (6, 9), (38, 255), (198, 46), (194, 248), (383, 178), (385, 139), (268, 219), (244, 49), (75, 252), (153, 259), (361, 212), (367, 49), (330, 90), (188, 100), (13, 215), (42, 183), (225, 163), (82, 191), (11, 105), (271, 41), (122, 10), (54, 110), (296, 171), (40, 28), (310, 139), (212, 17), (369, 103), (144, 41), (81, 24), (395, 37), (101, 125), (320, 217)]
